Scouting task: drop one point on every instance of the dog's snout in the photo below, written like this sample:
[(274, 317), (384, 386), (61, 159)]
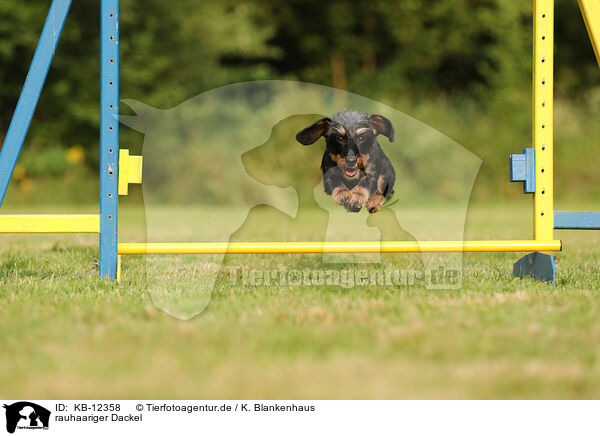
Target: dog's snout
[(351, 158)]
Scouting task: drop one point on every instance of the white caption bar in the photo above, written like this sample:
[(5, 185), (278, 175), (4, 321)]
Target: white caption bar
[(22, 417)]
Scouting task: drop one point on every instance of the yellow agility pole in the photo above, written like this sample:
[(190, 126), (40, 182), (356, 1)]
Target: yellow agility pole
[(590, 9), (337, 247), (543, 121)]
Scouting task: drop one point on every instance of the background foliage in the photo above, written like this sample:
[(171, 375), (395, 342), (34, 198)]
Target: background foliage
[(462, 66)]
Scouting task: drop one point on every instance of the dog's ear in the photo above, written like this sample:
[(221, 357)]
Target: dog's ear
[(313, 132), (381, 124)]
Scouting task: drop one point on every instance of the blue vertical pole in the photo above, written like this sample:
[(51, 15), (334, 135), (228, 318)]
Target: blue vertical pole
[(30, 94), (109, 137)]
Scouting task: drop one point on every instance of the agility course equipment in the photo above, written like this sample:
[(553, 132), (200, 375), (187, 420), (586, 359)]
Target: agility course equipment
[(534, 167), (336, 247)]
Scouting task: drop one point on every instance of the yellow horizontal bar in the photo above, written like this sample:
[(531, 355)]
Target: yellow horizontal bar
[(50, 223), (336, 247)]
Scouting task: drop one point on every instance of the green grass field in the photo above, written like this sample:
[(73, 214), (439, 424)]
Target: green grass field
[(64, 334)]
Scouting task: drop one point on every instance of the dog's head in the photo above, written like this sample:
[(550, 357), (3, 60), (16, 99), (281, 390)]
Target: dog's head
[(349, 137)]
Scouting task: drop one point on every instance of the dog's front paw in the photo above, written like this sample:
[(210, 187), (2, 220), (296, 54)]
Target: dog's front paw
[(354, 205), (341, 196), (359, 198), (353, 200), (374, 204)]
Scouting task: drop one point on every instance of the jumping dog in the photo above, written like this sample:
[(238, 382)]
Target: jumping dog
[(356, 171)]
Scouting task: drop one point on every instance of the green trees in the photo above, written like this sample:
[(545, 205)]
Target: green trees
[(448, 62)]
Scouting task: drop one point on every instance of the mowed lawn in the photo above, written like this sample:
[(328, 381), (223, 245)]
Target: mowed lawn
[(64, 334)]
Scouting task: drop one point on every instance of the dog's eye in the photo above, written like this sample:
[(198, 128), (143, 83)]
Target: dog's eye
[(362, 138), (339, 138)]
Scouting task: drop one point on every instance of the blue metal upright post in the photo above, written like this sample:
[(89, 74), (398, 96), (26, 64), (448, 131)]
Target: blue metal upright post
[(31, 91), (109, 138)]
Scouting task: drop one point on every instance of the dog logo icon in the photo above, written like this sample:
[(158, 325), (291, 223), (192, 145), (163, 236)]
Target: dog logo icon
[(26, 415)]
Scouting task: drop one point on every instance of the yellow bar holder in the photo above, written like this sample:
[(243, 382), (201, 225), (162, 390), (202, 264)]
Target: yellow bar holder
[(130, 170)]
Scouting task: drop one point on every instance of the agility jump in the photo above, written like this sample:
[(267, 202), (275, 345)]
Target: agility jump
[(534, 167)]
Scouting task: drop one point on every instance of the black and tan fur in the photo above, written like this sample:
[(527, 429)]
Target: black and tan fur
[(356, 171)]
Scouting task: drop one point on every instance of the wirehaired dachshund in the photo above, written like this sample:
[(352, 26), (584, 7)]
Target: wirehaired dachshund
[(356, 171)]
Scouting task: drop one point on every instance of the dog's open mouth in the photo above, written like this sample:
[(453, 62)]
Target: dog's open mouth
[(351, 173)]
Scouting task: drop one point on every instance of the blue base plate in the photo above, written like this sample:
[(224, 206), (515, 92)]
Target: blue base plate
[(537, 265)]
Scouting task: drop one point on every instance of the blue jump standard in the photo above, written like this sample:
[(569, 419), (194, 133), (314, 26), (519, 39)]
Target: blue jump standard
[(19, 125), (109, 138)]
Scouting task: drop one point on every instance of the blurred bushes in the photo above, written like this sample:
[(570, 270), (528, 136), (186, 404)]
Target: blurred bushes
[(462, 66)]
